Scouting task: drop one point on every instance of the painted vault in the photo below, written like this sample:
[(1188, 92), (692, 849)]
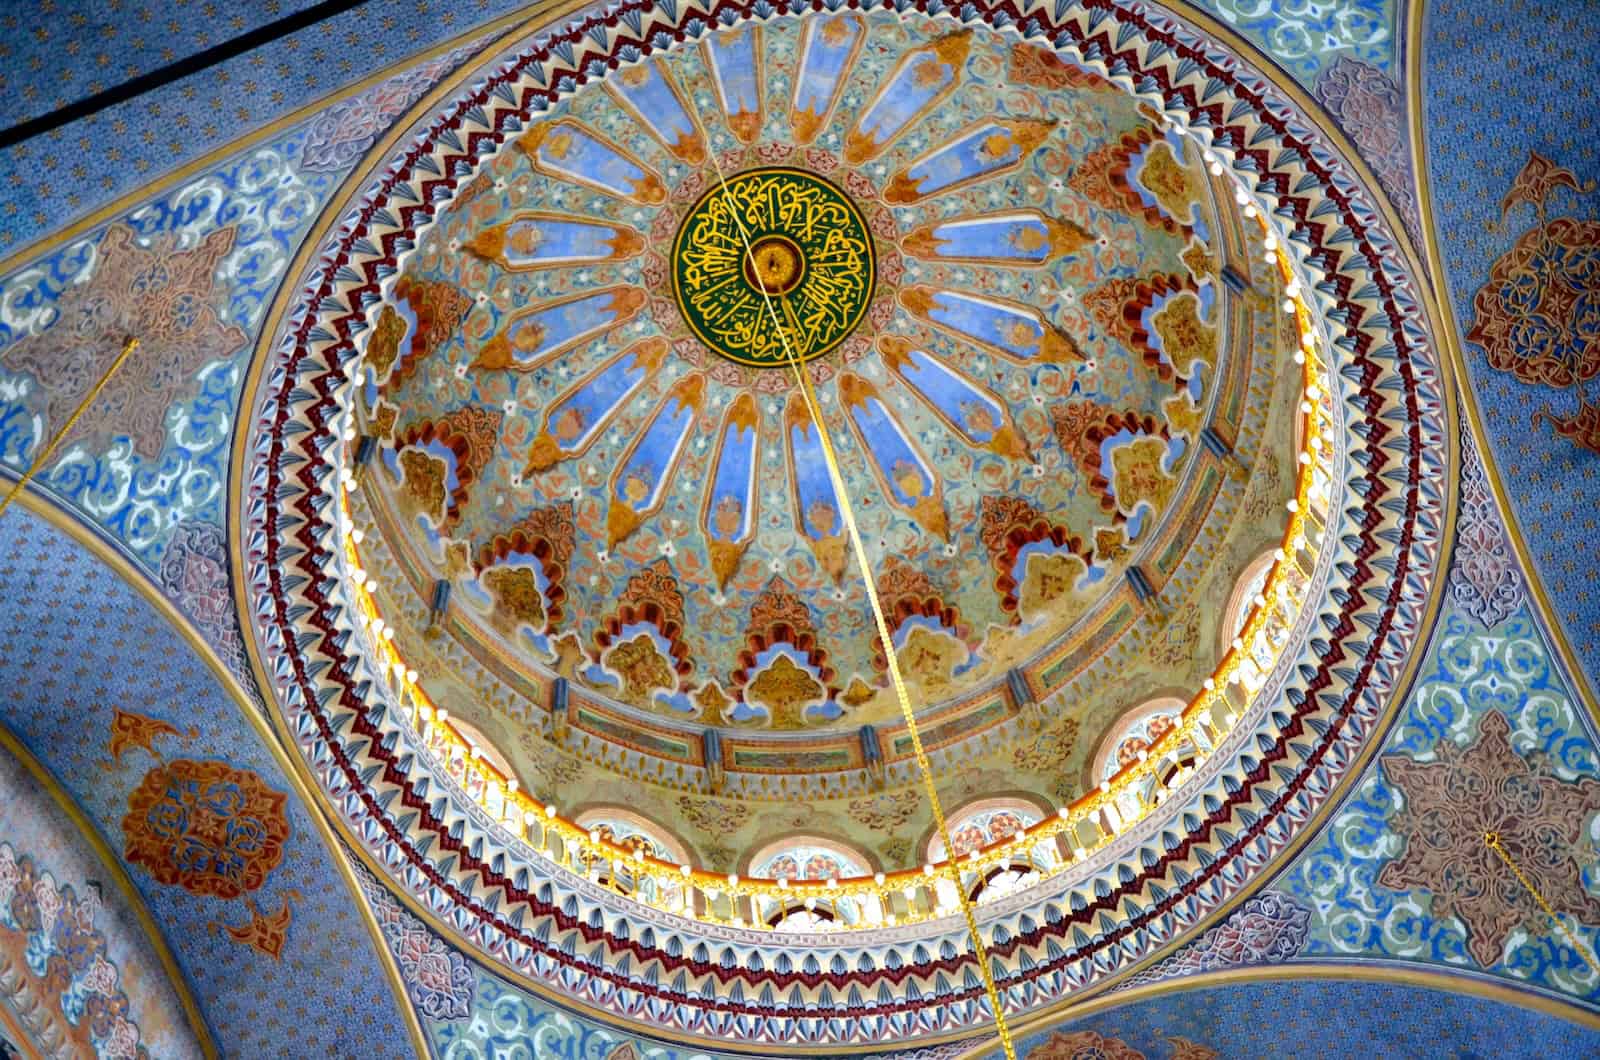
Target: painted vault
[(445, 634)]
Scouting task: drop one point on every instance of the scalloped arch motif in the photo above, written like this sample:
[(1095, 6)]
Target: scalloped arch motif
[(755, 989), (1135, 731), (808, 858)]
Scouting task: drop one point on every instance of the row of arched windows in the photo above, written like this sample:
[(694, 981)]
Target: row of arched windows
[(972, 826)]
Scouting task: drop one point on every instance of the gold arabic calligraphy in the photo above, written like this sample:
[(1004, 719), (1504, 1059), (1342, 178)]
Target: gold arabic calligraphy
[(812, 257)]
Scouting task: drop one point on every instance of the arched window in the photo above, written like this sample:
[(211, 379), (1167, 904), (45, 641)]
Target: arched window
[(1243, 599), (636, 834), (630, 830), (1137, 730), (1135, 733), (807, 858), (1262, 651), (975, 826)]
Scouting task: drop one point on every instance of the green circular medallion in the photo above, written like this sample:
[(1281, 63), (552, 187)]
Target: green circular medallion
[(808, 255)]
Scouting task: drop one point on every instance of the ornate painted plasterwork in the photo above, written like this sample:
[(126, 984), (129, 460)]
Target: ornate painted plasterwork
[(259, 205), (611, 339), (1487, 226), (1269, 928), (549, 541), (1540, 819), (1306, 38), (1537, 316), (1491, 739), (162, 294), (231, 865), (810, 251), (206, 827), (1367, 103), (77, 972), (338, 136), (1486, 581), (1402, 444)]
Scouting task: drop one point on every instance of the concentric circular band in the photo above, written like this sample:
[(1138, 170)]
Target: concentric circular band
[(746, 987)]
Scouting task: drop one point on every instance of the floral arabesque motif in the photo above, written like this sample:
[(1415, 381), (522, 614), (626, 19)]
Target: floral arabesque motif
[(161, 294), (1092, 1045), (1469, 672), (1452, 802), (194, 575), (1303, 36), (1538, 315), (206, 827), (265, 933), (437, 977), (267, 203), (1487, 582), (1084, 1045), (1370, 109), (438, 980), (48, 934), (341, 134), (130, 729), (1268, 928)]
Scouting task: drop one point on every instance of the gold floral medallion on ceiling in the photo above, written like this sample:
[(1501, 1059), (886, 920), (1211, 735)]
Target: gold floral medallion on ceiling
[(772, 264)]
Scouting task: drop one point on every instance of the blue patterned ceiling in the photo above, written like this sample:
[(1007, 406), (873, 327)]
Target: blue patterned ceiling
[(72, 47), (156, 486), (60, 52), (1516, 209), (1294, 1018), (263, 931)]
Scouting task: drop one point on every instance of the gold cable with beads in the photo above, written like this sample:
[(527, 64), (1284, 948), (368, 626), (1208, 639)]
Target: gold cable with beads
[(128, 346), (1492, 841), (952, 868)]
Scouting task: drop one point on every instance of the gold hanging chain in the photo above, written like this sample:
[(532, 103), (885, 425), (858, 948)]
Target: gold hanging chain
[(952, 868), (128, 346), (1492, 841)]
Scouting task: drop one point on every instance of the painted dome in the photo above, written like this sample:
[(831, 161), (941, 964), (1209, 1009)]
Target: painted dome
[(1093, 321), (1001, 273)]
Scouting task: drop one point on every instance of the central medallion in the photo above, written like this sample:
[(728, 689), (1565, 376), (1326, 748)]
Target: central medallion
[(773, 243)]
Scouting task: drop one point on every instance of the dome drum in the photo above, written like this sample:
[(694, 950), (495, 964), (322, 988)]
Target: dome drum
[(1110, 326)]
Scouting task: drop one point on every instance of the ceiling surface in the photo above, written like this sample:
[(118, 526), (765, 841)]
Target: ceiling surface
[(447, 321)]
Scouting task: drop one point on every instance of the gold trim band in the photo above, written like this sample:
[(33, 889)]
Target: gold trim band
[(120, 566)]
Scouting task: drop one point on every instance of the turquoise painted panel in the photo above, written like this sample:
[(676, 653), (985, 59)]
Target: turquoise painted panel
[(1305, 38), (1361, 876)]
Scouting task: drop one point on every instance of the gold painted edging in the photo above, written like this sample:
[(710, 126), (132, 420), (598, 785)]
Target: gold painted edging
[(119, 875), (124, 569), (1351, 971), (1421, 170), (493, 30), (13, 1028), (548, 16), (1351, 157)]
